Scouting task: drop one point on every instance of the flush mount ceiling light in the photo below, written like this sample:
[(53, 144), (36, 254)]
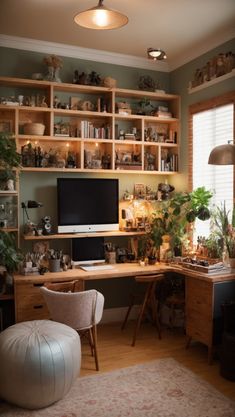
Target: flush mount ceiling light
[(100, 17), (222, 155), (156, 54)]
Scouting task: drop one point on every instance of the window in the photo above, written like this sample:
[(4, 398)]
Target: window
[(211, 125)]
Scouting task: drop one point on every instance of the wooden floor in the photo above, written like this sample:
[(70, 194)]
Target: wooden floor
[(115, 351)]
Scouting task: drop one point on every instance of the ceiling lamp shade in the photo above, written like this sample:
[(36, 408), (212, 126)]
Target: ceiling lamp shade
[(100, 17), (156, 54), (222, 155)]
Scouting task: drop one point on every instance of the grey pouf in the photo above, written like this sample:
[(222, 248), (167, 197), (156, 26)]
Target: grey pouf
[(39, 361)]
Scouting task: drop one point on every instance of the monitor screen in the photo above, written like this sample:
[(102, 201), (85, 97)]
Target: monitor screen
[(88, 250), (87, 205)]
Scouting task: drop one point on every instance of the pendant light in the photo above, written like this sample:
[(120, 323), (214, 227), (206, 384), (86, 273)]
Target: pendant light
[(222, 155), (101, 18)]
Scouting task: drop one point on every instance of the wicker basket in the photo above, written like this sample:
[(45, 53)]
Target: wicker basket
[(34, 129)]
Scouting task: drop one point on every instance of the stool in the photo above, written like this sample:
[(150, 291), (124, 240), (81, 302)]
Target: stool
[(40, 360), (149, 301)]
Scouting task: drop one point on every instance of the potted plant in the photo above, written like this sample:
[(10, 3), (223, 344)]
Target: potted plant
[(214, 246), (175, 216), (9, 159), (144, 104), (10, 258), (223, 225)]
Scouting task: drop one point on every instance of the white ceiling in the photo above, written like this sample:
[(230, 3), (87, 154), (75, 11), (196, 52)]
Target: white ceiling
[(183, 28)]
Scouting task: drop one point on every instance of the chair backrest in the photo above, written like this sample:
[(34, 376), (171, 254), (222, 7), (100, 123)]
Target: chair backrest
[(79, 310), (69, 286)]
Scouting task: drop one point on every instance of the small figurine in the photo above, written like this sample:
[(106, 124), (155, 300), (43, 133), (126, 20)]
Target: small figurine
[(94, 78), (76, 77), (82, 79), (165, 190), (146, 83)]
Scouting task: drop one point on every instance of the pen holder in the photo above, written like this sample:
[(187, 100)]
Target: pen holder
[(111, 257), (54, 265)]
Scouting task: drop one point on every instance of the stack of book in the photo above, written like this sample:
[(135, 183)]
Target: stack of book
[(163, 112)]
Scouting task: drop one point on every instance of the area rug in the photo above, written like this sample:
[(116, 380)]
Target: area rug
[(162, 388)]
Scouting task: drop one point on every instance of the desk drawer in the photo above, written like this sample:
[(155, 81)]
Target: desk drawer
[(32, 311), (199, 329), (30, 304)]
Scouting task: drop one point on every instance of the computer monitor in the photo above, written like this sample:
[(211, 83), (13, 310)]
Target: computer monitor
[(88, 250)]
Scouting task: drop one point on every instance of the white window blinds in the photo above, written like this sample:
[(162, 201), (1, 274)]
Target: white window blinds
[(211, 128)]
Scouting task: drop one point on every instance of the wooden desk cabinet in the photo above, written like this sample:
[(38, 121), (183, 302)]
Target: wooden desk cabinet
[(204, 321), (199, 312), (204, 295), (30, 305)]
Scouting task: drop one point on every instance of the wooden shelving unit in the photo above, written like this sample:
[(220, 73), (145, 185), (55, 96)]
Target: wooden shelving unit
[(93, 127)]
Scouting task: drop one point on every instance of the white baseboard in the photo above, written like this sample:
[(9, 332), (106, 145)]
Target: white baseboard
[(111, 315)]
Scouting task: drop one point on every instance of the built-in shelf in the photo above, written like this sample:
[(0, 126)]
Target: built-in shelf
[(212, 82), (81, 235)]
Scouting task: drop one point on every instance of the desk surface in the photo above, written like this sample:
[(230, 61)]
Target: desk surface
[(123, 270)]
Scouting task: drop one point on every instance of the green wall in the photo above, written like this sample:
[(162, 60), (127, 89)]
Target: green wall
[(19, 63), (179, 81)]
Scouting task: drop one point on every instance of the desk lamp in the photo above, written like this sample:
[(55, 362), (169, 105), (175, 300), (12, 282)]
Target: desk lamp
[(27, 205)]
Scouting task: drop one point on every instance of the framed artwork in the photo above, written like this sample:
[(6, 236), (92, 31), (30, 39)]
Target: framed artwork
[(6, 126), (139, 190)]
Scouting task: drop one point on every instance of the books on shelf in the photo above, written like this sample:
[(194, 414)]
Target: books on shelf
[(88, 130), (170, 163)]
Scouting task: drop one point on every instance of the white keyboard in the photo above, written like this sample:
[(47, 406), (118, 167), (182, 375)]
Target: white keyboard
[(96, 267)]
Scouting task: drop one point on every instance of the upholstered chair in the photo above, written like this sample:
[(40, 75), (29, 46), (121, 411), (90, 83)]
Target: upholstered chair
[(80, 310)]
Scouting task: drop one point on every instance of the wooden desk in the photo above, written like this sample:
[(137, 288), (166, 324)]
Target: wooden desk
[(204, 294)]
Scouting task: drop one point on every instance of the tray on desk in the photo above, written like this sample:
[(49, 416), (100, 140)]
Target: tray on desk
[(210, 269)]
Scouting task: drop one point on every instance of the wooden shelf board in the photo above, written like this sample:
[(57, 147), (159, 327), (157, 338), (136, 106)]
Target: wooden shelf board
[(212, 82), (83, 113), (119, 92), (8, 192), (99, 171), (81, 235)]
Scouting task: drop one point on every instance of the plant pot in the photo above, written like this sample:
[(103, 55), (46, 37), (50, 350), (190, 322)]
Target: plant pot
[(34, 129), (152, 260), (54, 265)]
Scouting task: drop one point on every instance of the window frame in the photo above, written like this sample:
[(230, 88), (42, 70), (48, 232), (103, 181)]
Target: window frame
[(227, 98)]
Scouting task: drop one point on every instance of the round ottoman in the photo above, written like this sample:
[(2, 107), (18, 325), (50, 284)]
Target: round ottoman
[(39, 360)]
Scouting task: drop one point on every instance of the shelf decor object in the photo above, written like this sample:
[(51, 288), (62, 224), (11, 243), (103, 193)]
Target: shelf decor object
[(101, 18)]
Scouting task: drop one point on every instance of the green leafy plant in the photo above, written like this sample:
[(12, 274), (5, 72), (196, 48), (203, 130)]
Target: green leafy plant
[(223, 224), (175, 215), (214, 246), (10, 256), (144, 104), (9, 158)]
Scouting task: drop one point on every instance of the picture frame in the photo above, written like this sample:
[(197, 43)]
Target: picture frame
[(139, 190), (6, 126)]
